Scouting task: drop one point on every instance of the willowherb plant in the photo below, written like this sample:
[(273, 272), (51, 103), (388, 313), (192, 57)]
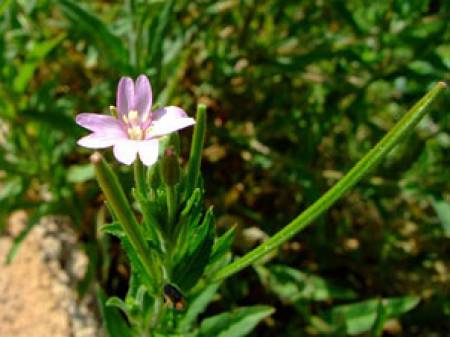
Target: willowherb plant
[(177, 262)]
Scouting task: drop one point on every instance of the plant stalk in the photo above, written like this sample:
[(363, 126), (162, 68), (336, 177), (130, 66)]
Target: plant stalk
[(356, 173), (119, 204), (139, 177)]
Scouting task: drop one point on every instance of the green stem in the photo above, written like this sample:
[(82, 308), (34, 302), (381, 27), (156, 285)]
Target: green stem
[(110, 185), (171, 206), (139, 177), (195, 156), (362, 167)]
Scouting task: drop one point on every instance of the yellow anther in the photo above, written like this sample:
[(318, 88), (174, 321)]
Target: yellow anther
[(135, 133), (133, 116), (125, 119)]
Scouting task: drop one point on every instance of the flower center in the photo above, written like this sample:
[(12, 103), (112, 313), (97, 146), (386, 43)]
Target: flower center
[(135, 133), (135, 126)]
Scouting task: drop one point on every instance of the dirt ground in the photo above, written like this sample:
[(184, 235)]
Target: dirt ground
[(38, 289)]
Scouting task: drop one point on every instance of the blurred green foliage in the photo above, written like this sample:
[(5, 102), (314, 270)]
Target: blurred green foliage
[(296, 91)]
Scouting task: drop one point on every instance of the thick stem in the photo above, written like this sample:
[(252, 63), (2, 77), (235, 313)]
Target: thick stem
[(119, 204), (362, 167)]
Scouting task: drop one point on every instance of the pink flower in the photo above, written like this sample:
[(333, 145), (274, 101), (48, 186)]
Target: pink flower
[(137, 129)]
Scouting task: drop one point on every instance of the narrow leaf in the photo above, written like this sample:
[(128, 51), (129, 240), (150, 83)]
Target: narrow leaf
[(361, 317), (236, 323), (114, 322), (292, 285)]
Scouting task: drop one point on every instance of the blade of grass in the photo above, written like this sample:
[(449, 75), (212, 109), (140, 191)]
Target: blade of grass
[(356, 173), (107, 43)]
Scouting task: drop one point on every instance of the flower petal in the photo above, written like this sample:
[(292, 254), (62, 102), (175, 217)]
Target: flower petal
[(143, 95), (148, 151), (169, 112), (98, 140), (169, 119), (125, 151), (125, 96), (98, 123)]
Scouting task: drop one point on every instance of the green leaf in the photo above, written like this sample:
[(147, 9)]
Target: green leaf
[(136, 265), (115, 325), (361, 317), (80, 173), (190, 218), (113, 229), (292, 285), (222, 245), (442, 209), (157, 32), (4, 5), (236, 323), (151, 224), (197, 304), (34, 58), (191, 266), (106, 42), (118, 303), (377, 328), (12, 188), (161, 334)]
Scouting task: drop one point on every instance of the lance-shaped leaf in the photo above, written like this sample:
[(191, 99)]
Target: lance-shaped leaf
[(191, 266), (236, 323)]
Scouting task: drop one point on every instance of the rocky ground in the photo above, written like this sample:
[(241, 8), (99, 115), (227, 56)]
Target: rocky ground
[(38, 289)]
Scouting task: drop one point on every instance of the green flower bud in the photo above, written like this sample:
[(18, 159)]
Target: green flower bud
[(153, 177)]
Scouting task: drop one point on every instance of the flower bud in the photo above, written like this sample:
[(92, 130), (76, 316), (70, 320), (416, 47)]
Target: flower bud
[(170, 167), (153, 178)]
